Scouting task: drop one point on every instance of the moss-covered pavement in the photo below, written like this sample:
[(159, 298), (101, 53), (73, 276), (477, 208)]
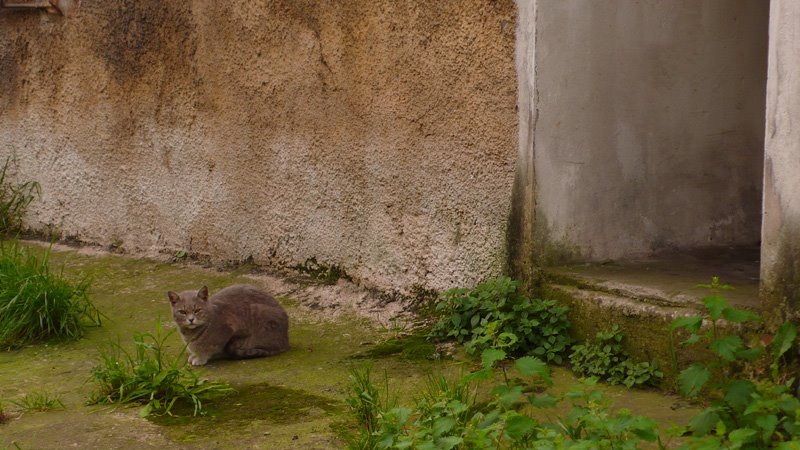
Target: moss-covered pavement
[(294, 400)]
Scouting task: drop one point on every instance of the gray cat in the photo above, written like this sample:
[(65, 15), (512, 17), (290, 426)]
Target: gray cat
[(239, 321)]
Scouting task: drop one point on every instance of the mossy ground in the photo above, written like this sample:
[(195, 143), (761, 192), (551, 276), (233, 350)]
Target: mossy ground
[(293, 400)]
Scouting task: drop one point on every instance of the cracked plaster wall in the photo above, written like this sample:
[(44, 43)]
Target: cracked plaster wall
[(377, 135)]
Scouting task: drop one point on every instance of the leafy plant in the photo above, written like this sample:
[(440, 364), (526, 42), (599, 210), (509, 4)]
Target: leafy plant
[(448, 416), (741, 413), (40, 401), (151, 377), (494, 314), (593, 420), (605, 359), (14, 198), (365, 401), (37, 302)]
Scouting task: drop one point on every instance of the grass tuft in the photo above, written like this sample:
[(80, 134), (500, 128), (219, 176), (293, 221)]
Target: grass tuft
[(150, 377), (40, 401), (37, 303)]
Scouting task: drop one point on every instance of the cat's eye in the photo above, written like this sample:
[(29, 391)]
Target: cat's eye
[(181, 311)]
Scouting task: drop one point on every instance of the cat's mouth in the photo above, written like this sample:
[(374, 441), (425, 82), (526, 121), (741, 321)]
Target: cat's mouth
[(191, 325)]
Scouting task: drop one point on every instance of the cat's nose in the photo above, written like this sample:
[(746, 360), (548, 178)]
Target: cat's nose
[(191, 319)]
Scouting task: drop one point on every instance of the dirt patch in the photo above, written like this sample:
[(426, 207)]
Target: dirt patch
[(321, 302)]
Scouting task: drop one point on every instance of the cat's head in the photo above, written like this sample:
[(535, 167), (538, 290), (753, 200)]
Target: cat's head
[(190, 308)]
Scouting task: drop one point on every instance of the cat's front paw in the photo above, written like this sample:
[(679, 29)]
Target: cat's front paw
[(197, 361)]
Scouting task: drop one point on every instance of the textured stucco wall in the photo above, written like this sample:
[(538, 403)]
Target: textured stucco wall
[(780, 245), (648, 125), (378, 135)]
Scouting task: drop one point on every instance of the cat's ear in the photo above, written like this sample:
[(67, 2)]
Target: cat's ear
[(173, 297), (202, 294)]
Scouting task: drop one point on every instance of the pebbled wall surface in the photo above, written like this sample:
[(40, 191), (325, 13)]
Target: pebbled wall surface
[(378, 135)]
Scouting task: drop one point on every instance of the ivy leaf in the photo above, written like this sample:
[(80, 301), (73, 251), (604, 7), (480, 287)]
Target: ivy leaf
[(727, 347), (783, 340), (693, 378), (715, 305), (529, 366)]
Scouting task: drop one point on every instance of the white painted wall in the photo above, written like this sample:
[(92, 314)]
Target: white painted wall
[(780, 247)]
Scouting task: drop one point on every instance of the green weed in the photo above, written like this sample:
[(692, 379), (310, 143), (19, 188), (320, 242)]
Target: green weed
[(39, 401), (14, 198), (605, 359), (494, 314), (150, 377), (447, 415), (37, 302), (740, 412)]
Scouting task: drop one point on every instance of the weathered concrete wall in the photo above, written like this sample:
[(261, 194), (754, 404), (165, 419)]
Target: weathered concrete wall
[(648, 129), (378, 135), (780, 245)]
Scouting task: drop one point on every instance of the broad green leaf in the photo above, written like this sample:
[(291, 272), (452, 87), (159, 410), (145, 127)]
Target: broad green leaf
[(483, 374), (741, 436), (721, 429), (704, 422), (443, 425), (693, 339), (491, 356), (446, 443), (543, 401), (517, 426), (426, 445), (715, 305), (507, 396), (692, 379), (704, 443), (784, 339), (738, 393), (691, 323), (727, 347), (645, 428), (767, 424), (750, 354), (739, 315), (529, 366)]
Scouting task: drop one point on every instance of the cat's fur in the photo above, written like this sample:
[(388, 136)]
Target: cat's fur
[(239, 321)]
